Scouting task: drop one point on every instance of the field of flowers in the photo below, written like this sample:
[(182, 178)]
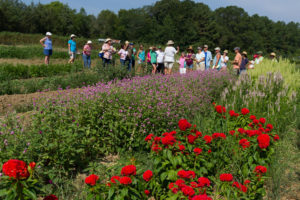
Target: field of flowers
[(204, 135)]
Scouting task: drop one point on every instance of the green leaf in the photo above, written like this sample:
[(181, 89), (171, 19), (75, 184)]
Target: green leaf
[(29, 193)]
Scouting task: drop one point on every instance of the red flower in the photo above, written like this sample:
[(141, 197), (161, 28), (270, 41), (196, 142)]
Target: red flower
[(201, 197), (262, 120), (147, 175), (255, 121), (149, 137), (32, 165), (15, 169), (226, 177), (147, 192), (219, 109), (252, 117), (168, 140), (128, 170), (191, 139), (270, 126), (155, 147), (125, 180), (157, 139), (51, 197), (180, 183), (91, 179), (197, 151), (240, 186), (232, 132), (184, 124), (198, 134), (276, 137), (209, 151), (263, 141), (218, 135), (194, 184), (241, 130), (244, 143), (181, 147), (244, 111), (232, 113), (260, 169), (186, 174), (171, 185), (114, 178), (188, 191), (174, 190), (247, 181), (202, 182), (251, 133), (207, 138)]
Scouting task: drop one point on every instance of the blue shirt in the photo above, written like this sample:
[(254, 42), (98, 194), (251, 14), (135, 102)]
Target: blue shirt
[(244, 63), (72, 46), (215, 62), (48, 44), (142, 55), (208, 58)]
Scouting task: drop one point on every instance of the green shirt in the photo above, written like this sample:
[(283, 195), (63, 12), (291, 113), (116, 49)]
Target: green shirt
[(153, 56)]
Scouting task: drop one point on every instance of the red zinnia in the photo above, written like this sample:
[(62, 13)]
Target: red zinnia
[(263, 141), (147, 192), (232, 132), (198, 134), (262, 120), (197, 151), (191, 139), (180, 183), (181, 147), (194, 184), (240, 186), (219, 109), (147, 175), (244, 143), (128, 170), (32, 165), (276, 137), (188, 191), (218, 135), (184, 124), (16, 169), (168, 140), (186, 174), (207, 138), (201, 197), (252, 117), (244, 111), (149, 137), (125, 180), (226, 177), (114, 178), (91, 179), (232, 113), (51, 197), (202, 182), (260, 169), (270, 126)]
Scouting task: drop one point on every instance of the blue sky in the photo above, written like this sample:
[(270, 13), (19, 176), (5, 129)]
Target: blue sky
[(283, 10)]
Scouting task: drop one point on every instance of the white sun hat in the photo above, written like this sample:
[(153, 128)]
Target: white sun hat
[(48, 34), (89, 42), (73, 35), (108, 39)]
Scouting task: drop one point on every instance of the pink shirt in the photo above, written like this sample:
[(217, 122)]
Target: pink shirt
[(181, 62), (87, 50), (122, 54)]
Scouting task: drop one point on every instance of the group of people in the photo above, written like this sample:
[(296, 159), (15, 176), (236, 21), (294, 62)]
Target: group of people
[(161, 61)]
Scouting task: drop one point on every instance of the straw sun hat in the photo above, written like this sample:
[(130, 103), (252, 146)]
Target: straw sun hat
[(170, 42), (107, 40)]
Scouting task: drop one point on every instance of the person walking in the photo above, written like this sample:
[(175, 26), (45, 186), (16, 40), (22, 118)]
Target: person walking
[(72, 48), (46, 42), (133, 55), (244, 63), (217, 59), (123, 54), (108, 50), (200, 63), (160, 61), (153, 55), (207, 58), (169, 59), (141, 55), (86, 54), (224, 60), (237, 60), (190, 58), (182, 63)]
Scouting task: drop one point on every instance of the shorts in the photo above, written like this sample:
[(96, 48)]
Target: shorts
[(200, 66), (72, 55), (169, 65), (47, 52), (141, 62), (182, 70), (190, 66), (154, 63)]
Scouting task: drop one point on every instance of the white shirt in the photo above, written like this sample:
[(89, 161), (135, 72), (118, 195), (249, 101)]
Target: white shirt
[(123, 54), (200, 56), (258, 60), (169, 54), (223, 63), (160, 56)]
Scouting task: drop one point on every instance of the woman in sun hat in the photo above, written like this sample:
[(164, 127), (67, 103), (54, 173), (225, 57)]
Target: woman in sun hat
[(153, 55), (108, 50), (273, 57), (217, 59), (72, 48), (169, 60), (190, 58), (224, 60), (244, 63), (46, 42), (86, 54)]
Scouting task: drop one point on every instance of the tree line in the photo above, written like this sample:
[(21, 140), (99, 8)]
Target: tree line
[(186, 22)]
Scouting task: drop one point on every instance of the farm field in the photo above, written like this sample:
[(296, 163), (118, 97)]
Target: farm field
[(109, 134)]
